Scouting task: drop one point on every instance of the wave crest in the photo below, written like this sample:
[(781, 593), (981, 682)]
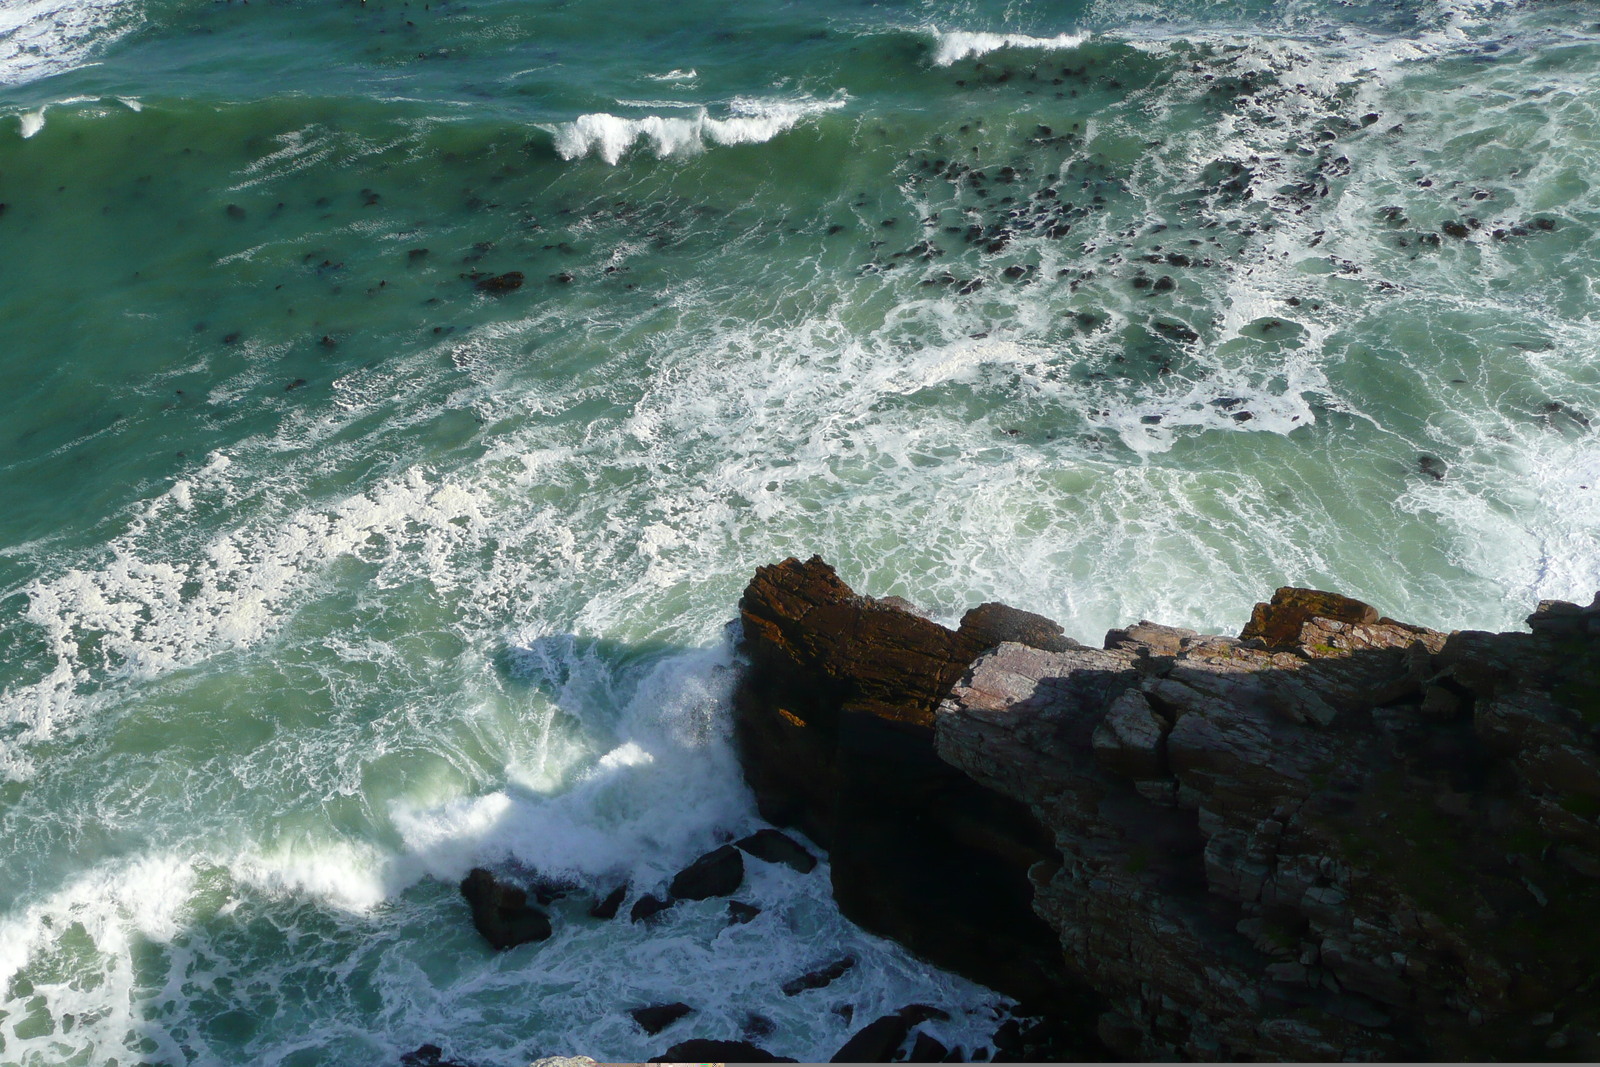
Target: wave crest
[(958, 45), (749, 121)]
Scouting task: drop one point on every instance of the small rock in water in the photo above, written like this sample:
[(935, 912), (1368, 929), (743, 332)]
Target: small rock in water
[(1432, 466), (716, 874), (774, 846), (648, 907), (500, 283), (607, 908), (740, 912), (658, 1017), (501, 912), (292, 386), (428, 1056), (820, 977)]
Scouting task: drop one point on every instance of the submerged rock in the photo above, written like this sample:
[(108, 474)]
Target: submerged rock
[(820, 977), (428, 1056), (501, 912), (500, 283)]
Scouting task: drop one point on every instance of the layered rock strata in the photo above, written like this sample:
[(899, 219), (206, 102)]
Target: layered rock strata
[(1334, 837)]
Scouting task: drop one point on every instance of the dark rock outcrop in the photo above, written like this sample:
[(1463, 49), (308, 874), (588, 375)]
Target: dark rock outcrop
[(774, 846), (876, 1042), (880, 1040), (607, 907), (428, 1056), (1339, 837), (926, 1049), (647, 907), (834, 722), (1336, 837), (716, 874), (501, 912), (658, 1017)]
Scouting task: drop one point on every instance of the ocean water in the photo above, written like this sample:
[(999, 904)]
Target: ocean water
[(326, 574)]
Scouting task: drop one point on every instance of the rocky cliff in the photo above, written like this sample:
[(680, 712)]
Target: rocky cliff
[(1336, 836)]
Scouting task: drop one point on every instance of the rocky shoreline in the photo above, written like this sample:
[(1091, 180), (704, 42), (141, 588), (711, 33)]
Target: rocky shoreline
[(1333, 837)]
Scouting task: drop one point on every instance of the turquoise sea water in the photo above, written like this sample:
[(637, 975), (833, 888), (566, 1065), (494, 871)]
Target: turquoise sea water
[(326, 573)]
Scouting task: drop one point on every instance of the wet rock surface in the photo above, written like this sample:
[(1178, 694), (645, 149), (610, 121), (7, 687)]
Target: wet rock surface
[(501, 912), (716, 874), (774, 846), (1336, 837), (834, 722), (657, 1017)]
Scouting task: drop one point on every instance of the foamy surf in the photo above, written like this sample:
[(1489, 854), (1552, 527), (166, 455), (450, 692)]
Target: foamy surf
[(39, 38), (954, 46), (748, 121)]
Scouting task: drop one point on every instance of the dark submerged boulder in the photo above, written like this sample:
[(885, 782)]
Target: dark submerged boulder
[(501, 912)]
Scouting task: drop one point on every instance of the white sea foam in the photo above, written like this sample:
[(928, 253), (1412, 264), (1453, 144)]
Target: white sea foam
[(39, 38), (748, 121), (954, 46)]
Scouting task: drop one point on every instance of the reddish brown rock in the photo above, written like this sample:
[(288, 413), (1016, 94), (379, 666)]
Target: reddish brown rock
[(1339, 837), (1279, 623), (834, 726)]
